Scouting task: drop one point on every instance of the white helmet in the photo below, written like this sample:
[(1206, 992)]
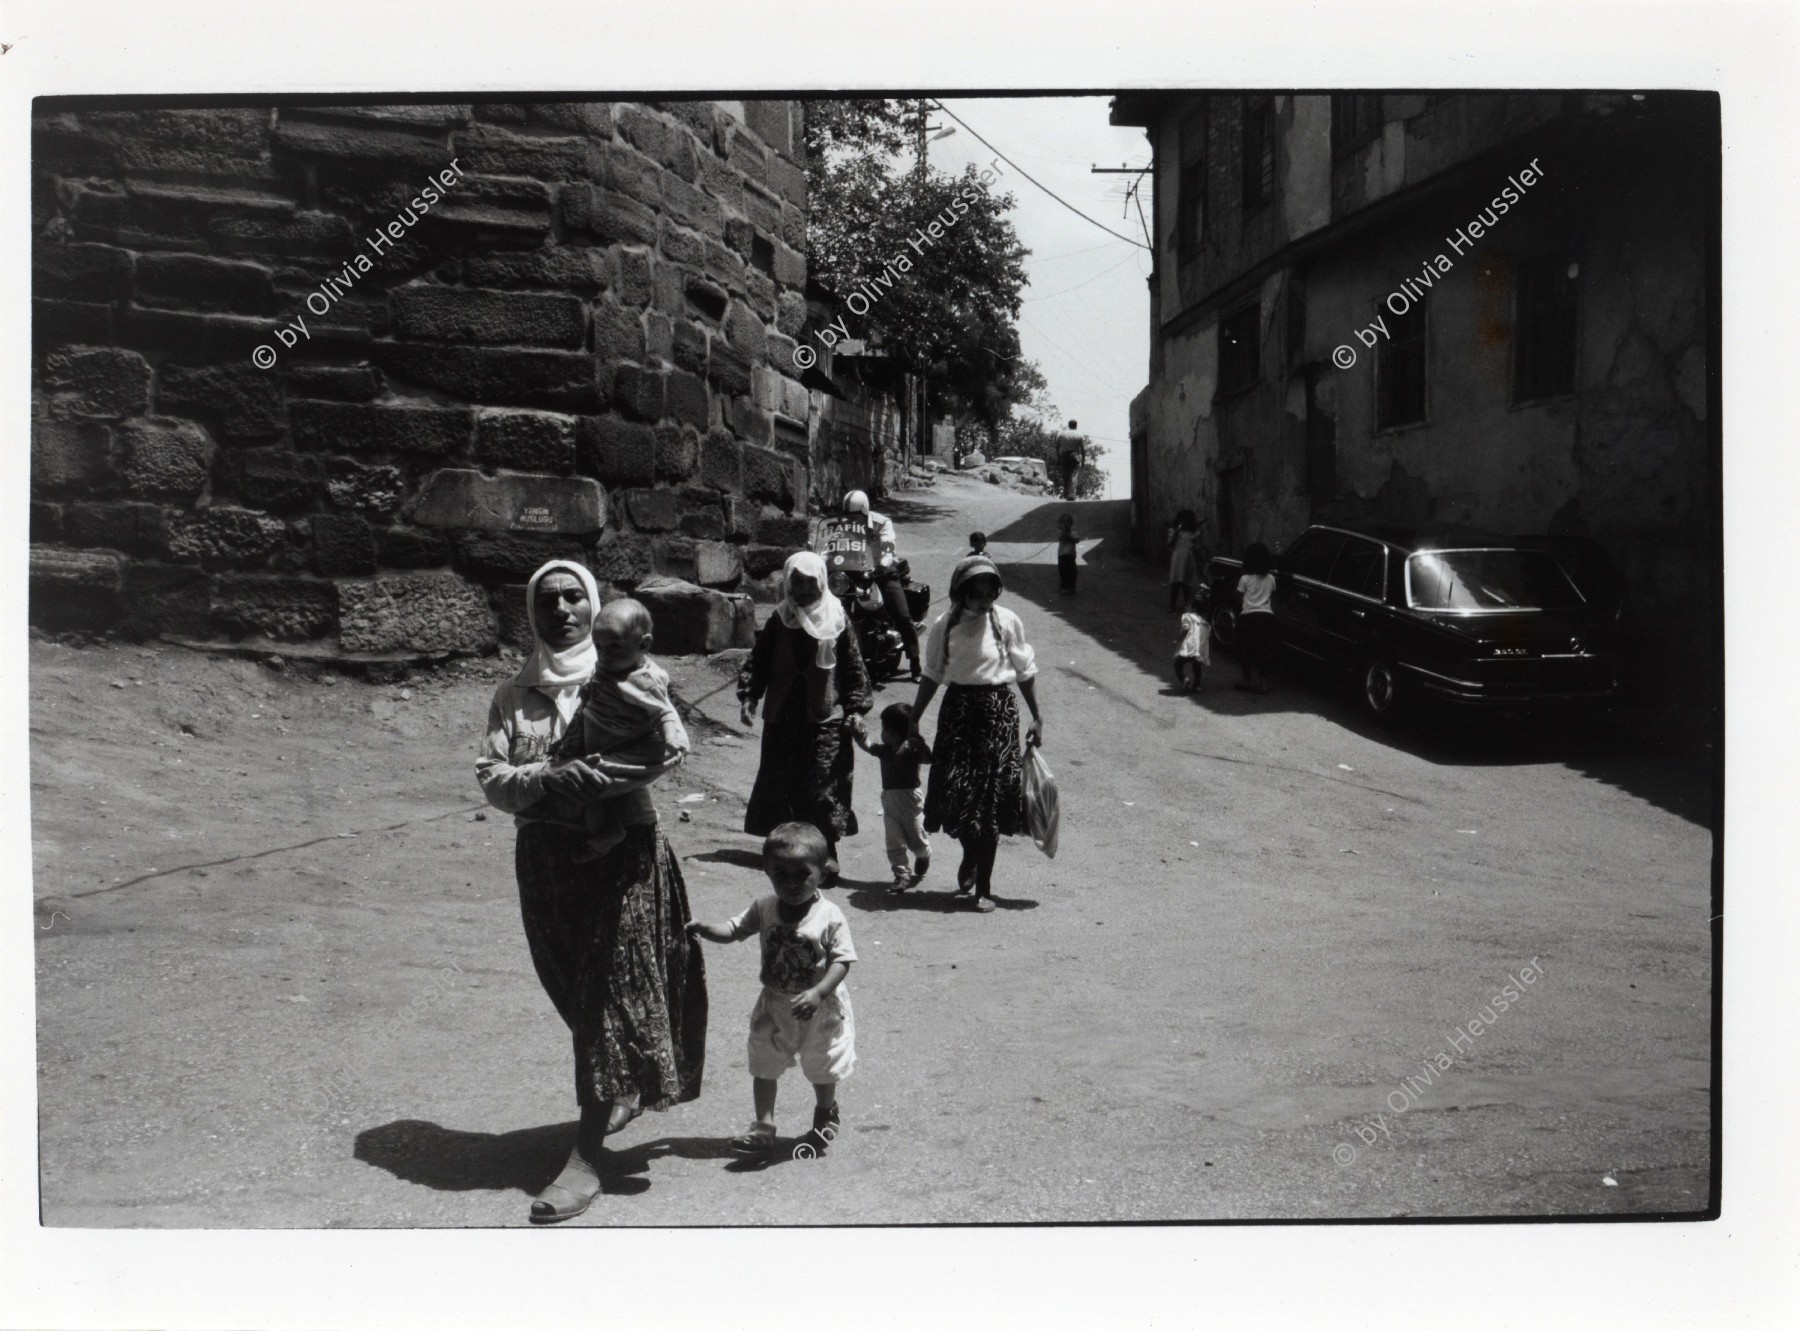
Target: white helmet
[(856, 502)]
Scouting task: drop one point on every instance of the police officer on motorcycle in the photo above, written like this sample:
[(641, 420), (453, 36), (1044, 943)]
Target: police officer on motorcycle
[(886, 576)]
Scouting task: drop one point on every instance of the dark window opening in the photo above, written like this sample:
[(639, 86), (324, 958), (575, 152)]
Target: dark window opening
[(1240, 350), (1400, 369), (1259, 151), (1544, 330), (1355, 119)]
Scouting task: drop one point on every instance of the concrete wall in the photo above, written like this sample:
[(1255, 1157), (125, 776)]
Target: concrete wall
[(581, 347)]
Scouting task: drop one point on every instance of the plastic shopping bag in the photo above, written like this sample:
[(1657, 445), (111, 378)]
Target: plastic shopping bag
[(1041, 814)]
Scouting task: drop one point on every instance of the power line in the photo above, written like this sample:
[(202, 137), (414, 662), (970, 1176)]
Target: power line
[(1021, 170)]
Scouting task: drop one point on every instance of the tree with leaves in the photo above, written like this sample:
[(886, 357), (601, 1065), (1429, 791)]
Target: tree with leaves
[(944, 304)]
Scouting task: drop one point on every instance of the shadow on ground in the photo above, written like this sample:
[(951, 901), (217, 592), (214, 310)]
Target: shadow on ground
[(525, 1161), (1656, 751)]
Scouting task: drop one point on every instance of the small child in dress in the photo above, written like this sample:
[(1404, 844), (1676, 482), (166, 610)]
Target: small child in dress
[(1194, 649), (804, 1009), (902, 802), (1065, 553), (625, 714)]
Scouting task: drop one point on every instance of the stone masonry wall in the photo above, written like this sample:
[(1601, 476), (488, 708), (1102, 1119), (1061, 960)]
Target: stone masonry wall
[(282, 392)]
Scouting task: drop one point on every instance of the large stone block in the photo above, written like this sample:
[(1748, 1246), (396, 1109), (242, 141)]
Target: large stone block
[(80, 272), (419, 612), (790, 266), (526, 440), (277, 479), (159, 598), (46, 526), (718, 564), (680, 245), (343, 546), (787, 180), (768, 475), (687, 343), (723, 266), (376, 490), (304, 235), (560, 268), (744, 329), (343, 427), (618, 334), (60, 323), (616, 451), (492, 317), (632, 174), (488, 150), (73, 589), (607, 216), (557, 380), (677, 451), (134, 529), (163, 458), (693, 209), (782, 529), (340, 383), (225, 537), (729, 371), (412, 547), (703, 514), (688, 401), (568, 505), (762, 560), (790, 313), (238, 401), (623, 558), (721, 461), (690, 619), (707, 297), (512, 614), (286, 609), (637, 285), (69, 455), (639, 392), (195, 281), (510, 556), (365, 143), (652, 510), (101, 382), (768, 120)]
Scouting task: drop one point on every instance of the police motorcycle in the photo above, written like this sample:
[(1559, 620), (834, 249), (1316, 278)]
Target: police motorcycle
[(851, 562)]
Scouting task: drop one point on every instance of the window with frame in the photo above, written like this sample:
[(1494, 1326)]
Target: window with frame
[(1240, 350), (1355, 119), (1258, 151), (1544, 329), (1360, 567), (1400, 369)]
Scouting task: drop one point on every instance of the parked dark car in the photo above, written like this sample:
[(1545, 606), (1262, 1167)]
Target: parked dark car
[(1466, 617)]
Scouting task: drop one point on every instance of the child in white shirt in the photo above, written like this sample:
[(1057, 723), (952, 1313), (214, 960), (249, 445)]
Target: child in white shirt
[(804, 1010), (1194, 649)]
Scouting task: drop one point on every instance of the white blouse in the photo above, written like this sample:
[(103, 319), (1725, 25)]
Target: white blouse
[(974, 656)]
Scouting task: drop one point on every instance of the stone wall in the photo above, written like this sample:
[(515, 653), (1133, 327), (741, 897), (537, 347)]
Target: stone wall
[(347, 374)]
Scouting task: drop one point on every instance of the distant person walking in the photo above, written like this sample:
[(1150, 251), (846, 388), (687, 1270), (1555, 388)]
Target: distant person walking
[(1185, 558), (977, 653), (1070, 452)]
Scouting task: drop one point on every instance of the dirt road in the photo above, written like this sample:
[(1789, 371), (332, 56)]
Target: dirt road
[(282, 980)]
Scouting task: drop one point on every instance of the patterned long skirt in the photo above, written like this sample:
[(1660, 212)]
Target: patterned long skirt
[(609, 940), (804, 776), (977, 771)]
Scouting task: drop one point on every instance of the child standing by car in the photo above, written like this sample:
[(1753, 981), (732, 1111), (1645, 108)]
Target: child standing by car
[(1184, 563), (1194, 649), (902, 802), (1065, 553), (1256, 618), (803, 1011)]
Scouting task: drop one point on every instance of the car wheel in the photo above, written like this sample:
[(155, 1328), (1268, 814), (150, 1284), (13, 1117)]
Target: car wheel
[(1380, 688), (1224, 628)]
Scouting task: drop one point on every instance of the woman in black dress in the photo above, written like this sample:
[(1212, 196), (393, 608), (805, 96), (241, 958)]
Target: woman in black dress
[(808, 672)]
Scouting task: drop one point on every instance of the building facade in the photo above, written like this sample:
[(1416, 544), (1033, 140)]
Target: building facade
[(1490, 309), (346, 374)]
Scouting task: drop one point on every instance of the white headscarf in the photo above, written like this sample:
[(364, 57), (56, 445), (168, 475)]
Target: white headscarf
[(559, 671), (824, 619)]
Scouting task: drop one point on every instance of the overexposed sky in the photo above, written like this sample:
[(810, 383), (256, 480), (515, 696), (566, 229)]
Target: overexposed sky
[(1086, 315)]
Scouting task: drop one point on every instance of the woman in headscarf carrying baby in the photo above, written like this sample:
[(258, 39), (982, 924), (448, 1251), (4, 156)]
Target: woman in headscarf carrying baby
[(807, 672), (608, 935)]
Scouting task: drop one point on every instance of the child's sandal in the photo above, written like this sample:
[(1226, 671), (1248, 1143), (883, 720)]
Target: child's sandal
[(757, 1139)]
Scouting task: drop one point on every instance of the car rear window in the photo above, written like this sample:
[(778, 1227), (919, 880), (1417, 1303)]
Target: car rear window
[(1488, 580)]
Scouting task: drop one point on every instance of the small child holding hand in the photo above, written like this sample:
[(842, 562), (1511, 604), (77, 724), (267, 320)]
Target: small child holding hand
[(804, 1009), (902, 802), (626, 715)]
